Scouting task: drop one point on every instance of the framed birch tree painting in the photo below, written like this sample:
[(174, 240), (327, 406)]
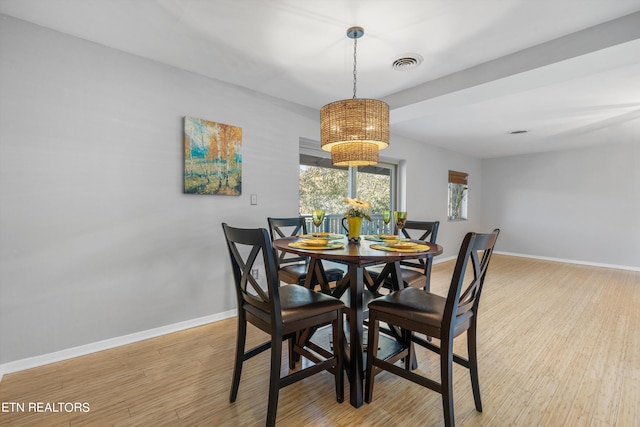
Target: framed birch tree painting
[(212, 158)]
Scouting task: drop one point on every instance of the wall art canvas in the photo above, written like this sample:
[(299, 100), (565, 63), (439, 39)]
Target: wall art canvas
[(212, 158)]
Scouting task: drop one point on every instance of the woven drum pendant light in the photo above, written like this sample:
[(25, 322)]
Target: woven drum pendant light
[(354, 130)]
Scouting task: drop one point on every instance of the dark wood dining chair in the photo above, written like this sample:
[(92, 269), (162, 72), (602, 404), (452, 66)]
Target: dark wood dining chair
[(416, 310), (416, 273), (291, 268), (279, 311)]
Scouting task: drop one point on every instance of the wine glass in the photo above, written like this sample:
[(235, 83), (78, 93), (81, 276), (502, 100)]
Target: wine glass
[(386, 217), (400, 217), (317, 216)]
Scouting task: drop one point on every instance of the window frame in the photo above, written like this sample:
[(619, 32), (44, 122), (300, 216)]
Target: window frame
[(312, 149), (460, 179)]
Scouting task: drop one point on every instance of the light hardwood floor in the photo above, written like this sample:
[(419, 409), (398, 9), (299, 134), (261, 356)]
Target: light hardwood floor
[(559, 345)]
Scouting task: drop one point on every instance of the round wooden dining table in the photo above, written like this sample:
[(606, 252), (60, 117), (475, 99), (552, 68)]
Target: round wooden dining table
[(356, 257)]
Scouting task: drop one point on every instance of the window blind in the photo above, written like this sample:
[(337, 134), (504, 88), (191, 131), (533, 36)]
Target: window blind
[(458, 177)]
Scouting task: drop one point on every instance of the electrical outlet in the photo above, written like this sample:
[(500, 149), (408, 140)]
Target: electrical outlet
[(254, 273)]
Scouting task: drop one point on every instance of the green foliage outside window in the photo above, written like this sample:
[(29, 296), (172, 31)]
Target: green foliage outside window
[(457, 194), (324, 188), (375, 189)]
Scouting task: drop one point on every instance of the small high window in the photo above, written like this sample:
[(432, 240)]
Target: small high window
[(458, 189)]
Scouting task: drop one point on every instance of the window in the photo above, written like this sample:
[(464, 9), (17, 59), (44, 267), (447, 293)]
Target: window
[(374, 184), (323, 186), (458, 189)]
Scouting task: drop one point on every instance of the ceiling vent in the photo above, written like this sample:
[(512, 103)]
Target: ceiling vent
[(407, 62)]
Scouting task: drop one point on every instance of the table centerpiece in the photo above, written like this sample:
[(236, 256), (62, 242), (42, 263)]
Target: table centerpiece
[(358, 210)]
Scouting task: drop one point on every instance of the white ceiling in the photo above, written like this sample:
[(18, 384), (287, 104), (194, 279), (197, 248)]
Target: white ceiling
[(557, 68)]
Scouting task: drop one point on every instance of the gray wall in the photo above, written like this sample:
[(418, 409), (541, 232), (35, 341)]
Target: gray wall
[(581, 205), (97, 240), (427, 174)]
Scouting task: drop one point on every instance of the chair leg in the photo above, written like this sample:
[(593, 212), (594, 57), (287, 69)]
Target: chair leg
[(292, 354), (237, 368), (446, 379), (427, 274), (372, 353), (337, 354), (410, 362), (473, 366), (427, 282), (274, 378)]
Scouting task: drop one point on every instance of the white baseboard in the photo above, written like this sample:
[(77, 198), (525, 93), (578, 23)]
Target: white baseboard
[(571, 261), (438, 260), (45, 359), (544, 258)]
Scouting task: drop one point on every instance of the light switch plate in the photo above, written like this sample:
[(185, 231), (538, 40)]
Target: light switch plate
[(254, 199)]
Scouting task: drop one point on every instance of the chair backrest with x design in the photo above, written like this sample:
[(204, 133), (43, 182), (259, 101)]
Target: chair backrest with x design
[(247, 247), (466, 286), (427, 231), (285, 227)]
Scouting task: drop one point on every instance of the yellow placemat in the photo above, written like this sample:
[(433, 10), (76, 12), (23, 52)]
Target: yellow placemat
[(416, 248), (302, 245)]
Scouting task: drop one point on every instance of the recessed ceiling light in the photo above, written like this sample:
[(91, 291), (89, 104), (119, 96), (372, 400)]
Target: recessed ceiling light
[(407, 61), (517, 132)]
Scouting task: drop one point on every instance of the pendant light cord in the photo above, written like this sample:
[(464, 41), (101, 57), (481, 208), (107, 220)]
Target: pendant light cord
[(355, 48)]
